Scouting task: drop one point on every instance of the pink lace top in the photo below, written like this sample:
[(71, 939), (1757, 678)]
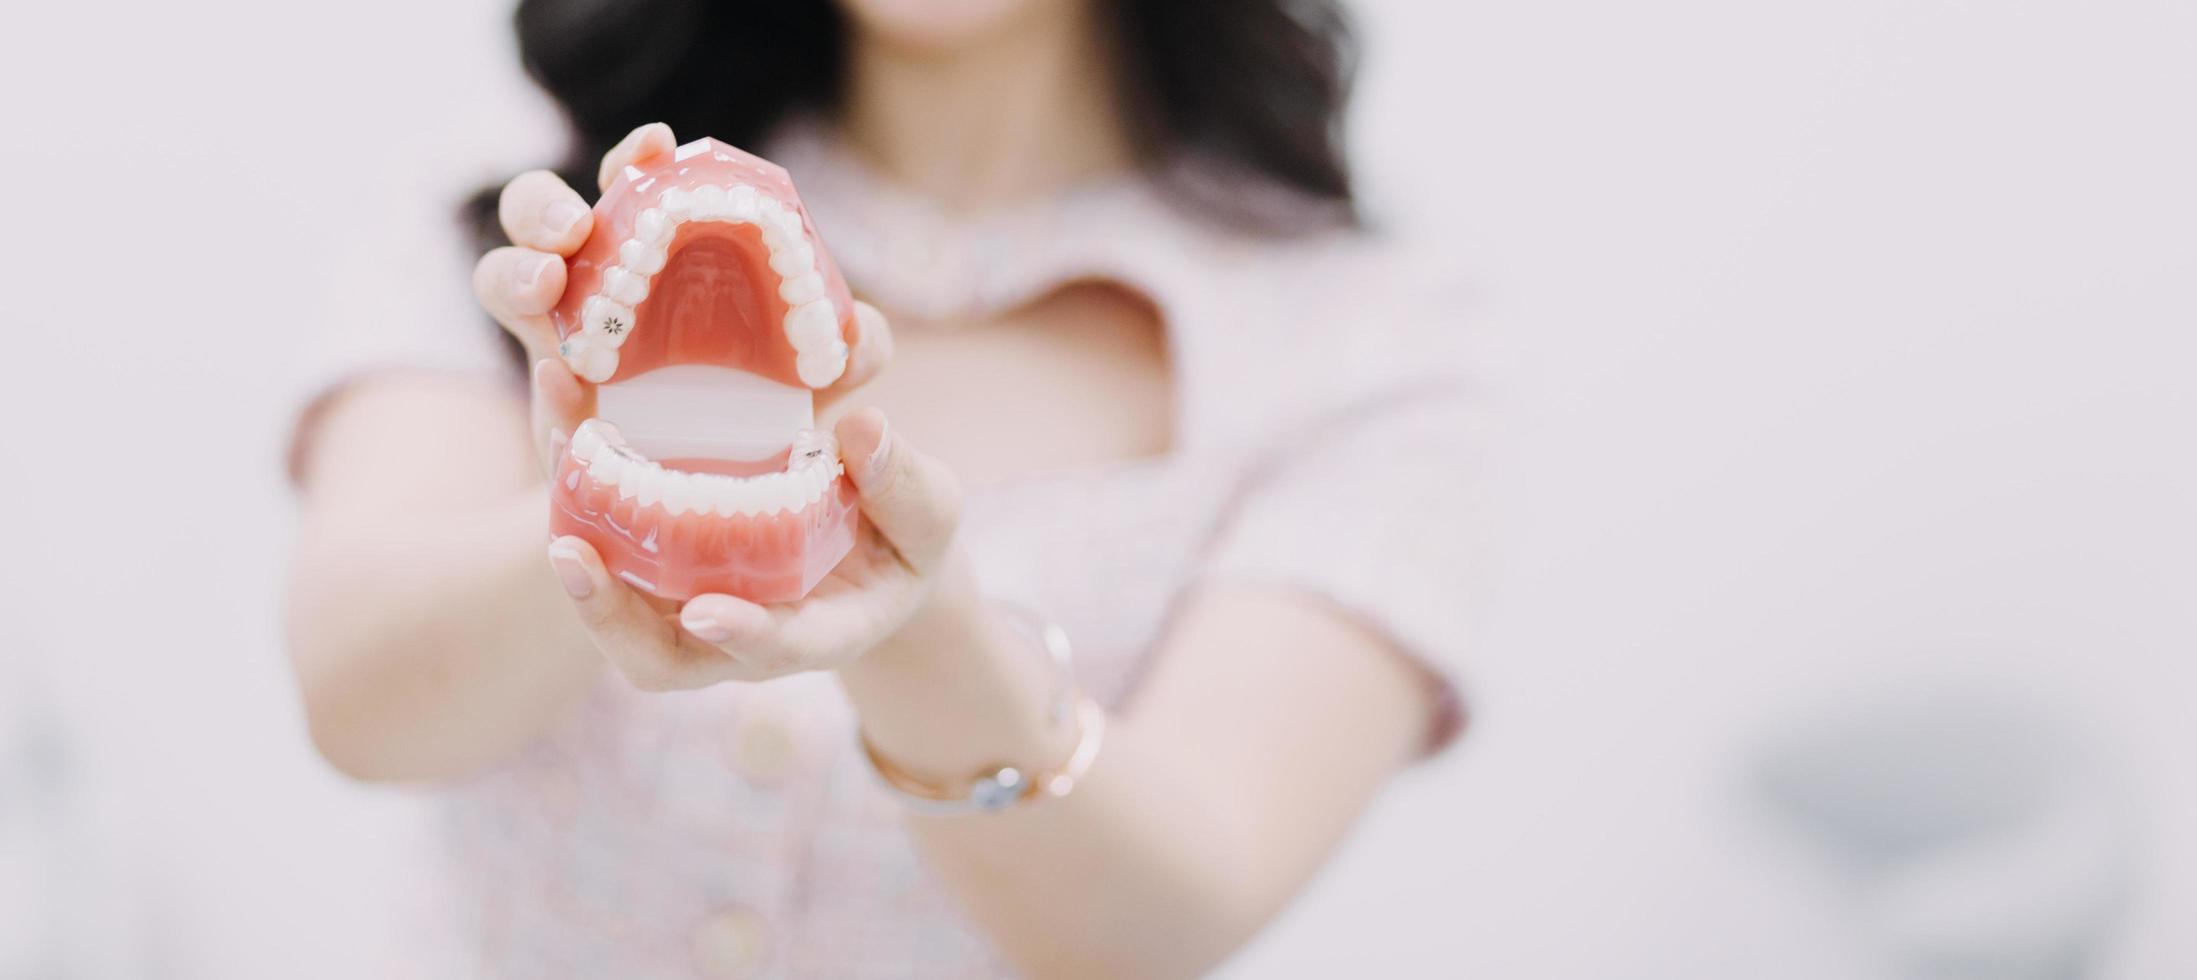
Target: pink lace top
[(1322, 444)]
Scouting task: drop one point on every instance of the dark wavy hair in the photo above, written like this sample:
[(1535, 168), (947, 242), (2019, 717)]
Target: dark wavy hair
[(1213, 90)]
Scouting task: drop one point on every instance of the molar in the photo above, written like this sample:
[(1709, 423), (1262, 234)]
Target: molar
[(812, 325), (804, 288), (818, 368), (606, 319), (589, 358)]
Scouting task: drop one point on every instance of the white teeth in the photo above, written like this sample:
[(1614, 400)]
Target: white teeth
[(801, 289), (606, 321), (652, 227), (624, 287), (818, 368), (772, 216), (648, 484), (590, 438), (679, 492), (812, 449), (793, 260), (811, 466), (677, 204), (588, 358), (709, 203), (812, 326), (641, 258), (740, 203), (606, 467)]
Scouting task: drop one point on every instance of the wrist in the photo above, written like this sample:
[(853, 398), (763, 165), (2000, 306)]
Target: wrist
[(950, 614), (960, 690)]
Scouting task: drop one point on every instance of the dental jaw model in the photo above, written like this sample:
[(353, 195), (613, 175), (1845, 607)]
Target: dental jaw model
[(706, 312)]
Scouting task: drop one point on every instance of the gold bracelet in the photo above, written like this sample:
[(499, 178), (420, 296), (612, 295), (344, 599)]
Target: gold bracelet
[(1004, 786)]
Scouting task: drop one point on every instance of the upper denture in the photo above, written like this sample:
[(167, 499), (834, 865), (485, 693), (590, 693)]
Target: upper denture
[(717, 197)]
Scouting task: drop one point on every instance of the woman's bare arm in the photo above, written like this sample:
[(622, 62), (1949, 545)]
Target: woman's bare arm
[(426, 631), (1267, 724)]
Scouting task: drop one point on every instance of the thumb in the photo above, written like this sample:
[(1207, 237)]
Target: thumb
[(559, 406), (913, 499)]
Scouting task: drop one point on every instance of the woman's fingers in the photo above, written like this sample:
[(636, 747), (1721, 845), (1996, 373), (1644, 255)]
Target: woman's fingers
[(912, 499), (829, 628), (873, 349), (639, 640), (539, 211), (559, 405), (731, 623), (518, 287), (640, 146)]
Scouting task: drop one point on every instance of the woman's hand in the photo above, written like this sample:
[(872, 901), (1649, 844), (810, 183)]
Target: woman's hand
[(910, 501), (901, 559)]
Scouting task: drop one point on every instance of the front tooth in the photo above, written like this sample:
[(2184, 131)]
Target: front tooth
[(588, 357), (804, 288), (724, 497), (709, 202), (812, 325), (750, 497), (606, 320), (818, 368), (740, 203), (679, 492), (784, 495), (653, 227), (793, 260), (677, 204), (624, 287), (641, 258)]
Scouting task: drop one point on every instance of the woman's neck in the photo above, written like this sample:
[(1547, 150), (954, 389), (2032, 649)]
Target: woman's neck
[(994, 122)]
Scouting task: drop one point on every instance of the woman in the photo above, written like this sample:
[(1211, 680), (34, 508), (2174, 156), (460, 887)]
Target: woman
[(1147, 380)]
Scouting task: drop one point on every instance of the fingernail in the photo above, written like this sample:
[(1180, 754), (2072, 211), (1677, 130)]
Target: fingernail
[(571, 572), (876, 462), (530, 271), (705, 625), (560, 216)]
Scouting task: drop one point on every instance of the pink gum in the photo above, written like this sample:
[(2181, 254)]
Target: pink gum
[(775, 558)]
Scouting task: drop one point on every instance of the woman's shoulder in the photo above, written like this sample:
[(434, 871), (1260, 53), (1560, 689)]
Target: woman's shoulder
[(1322, 322)]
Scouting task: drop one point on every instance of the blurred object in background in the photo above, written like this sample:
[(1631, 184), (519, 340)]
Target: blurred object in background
[(57, 875), (1983, 836)]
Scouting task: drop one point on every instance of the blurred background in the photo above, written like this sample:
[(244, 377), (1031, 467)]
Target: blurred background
[(1839, 612)]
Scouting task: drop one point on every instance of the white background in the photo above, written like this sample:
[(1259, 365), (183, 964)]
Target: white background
[(1839, 350)]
